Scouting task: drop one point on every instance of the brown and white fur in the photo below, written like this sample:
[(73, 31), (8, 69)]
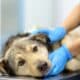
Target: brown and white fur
[(27, 55)]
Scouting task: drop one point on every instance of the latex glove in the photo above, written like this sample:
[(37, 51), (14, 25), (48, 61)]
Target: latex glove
[(59, 59), (55, 35)]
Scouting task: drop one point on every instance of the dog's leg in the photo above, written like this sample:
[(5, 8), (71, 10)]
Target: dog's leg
[(73, 65)]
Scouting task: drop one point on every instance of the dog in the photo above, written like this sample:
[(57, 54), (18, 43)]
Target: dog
[(27, 55)]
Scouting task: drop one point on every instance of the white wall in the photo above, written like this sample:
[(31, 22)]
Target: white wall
[(66, 6), (40, 13), (0, 15), (0, 23), (46, 13), (9, 19)]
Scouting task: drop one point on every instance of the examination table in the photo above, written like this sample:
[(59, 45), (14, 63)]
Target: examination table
[(63, 76)]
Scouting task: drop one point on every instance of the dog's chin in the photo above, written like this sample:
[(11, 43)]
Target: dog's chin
[(40, 73)]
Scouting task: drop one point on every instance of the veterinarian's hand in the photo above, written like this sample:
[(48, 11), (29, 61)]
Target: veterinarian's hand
[(55, 35), (59, 59)]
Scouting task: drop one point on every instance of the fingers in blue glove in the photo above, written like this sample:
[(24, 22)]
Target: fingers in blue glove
[(55, 35), (59, 59)]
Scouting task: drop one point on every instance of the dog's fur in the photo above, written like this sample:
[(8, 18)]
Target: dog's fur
[(74, 64), (27, 54)]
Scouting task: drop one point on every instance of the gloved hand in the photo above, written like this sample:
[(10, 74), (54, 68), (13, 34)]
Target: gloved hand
[(55, 35), (59, 59)]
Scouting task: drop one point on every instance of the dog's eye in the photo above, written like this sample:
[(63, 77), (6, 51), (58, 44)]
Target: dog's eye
[(35, 49), (21, 62)]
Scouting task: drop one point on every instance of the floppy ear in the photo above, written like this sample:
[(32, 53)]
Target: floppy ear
[(41, 37), (5, 69), (44, 39), (2, 67)]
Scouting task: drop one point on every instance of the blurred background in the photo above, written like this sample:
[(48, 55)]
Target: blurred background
[(18, 16)]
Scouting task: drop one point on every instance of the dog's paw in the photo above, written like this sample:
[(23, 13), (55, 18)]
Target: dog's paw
[(73, 65)]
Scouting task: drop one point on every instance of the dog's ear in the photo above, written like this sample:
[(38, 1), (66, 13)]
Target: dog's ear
[(5, 69), (1, 62), (41, 37), (2, 67)]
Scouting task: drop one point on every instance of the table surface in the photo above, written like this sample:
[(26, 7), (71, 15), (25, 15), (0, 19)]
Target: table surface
[(66, 76)]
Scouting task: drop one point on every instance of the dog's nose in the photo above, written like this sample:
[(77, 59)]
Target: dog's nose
[(43, 66)]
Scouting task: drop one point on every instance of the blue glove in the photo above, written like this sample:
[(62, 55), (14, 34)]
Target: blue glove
[(59, 59), (55, 35)]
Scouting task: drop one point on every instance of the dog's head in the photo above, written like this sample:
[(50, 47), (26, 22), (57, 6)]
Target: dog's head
[(27, 55)]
